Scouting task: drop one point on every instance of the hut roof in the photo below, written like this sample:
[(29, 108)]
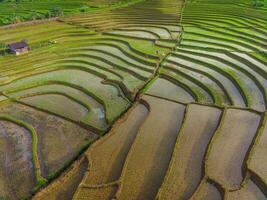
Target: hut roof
[(18, 45)]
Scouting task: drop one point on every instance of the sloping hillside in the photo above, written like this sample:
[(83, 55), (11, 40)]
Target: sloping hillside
[(173, 91)]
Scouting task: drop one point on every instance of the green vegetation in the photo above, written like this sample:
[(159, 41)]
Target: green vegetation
[(258, 3), (15, 11), (223, 56)]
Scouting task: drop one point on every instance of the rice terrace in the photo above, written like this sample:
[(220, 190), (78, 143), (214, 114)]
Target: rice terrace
[(133, 99)]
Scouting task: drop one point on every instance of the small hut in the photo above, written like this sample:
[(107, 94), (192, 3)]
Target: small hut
[(18, 48)]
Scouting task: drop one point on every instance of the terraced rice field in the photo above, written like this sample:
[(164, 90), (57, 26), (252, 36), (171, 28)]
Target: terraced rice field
[(183, 154), (221, 57), (173, 91)]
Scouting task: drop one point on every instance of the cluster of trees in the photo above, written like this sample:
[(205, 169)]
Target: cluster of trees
[(34, 15), (55, 12), (258, 3)]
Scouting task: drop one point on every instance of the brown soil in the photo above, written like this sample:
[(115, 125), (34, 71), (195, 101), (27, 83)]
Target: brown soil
[(16, 167), (65, 186), (258, 161), (58, 140), (229, 147), (151, 152), (185, 171), (103, 193), (114, 148), (249, 192), (206, 191)]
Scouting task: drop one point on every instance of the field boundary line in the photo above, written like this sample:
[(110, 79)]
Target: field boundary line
[(28, 23), (41, 181)]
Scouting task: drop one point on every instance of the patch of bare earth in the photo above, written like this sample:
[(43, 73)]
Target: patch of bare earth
[(229, 147), (16, 168), (149, 157), (186, 167), (108, 155), (59, 141), (206, 191), (65, 186)]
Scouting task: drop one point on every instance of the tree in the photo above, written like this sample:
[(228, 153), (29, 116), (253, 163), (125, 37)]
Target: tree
[(56, 12), (258, 3)]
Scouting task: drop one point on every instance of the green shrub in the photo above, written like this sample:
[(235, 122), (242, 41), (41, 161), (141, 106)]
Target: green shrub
[(3, 46), (258, 3), (56, 12)]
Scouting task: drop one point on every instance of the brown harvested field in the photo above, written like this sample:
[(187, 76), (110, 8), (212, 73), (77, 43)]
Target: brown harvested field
[(93, 193), (170, 157), (60, 144), (230, 144), (16, 166), (207, 191), (258, 162), (59, 141), (66, 185), (249, 192), (114, 148), (151, 151), (186, 167)]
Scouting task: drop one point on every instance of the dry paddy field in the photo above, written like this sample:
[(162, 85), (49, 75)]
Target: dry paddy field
[(174, 92), (162, 149)]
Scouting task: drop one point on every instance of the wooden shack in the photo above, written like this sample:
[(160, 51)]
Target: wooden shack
[(18, 48)]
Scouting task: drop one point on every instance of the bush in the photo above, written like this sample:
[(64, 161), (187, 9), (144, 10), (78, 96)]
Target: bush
[(56, 12), (258, 3), (3, 46), (3, 50)]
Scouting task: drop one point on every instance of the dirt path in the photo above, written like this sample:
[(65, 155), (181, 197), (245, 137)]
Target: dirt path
[(42, 21)]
